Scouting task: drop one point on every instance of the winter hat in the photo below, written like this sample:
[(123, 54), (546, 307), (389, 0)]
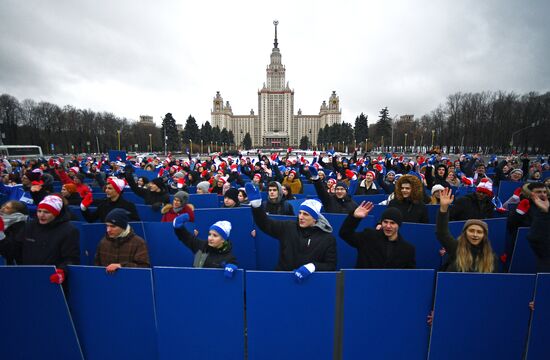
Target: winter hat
[(118, 184), (485, 186), (372, 173), (517, 171), (223, 228), (52, 204), (182, 196), (118, 217), (312, 207), (258, 175), (331, 182), (342, 184), (223, 179), (437, 187), (158, 182), (394, 214), (233, 167), (178, 175), (349, 174), (391, 172), (70, 188), (74, 169), (471, 222), (203, 185), (292, 172), (233, 194)]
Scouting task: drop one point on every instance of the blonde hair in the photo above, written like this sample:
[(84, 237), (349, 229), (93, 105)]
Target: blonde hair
[(464, 259)]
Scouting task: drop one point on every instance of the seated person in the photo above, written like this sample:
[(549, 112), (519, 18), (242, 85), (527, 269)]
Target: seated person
[(180, 205)]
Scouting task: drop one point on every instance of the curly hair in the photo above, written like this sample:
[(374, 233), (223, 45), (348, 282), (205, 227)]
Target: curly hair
[(417, 191)]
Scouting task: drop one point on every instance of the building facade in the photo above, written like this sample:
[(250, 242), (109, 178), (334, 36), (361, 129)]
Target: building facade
[(276, 125)]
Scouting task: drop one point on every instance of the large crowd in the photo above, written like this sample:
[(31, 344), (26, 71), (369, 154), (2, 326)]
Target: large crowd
[(36, 228)]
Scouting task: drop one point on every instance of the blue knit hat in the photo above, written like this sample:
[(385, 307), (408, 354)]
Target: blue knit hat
[(118, 217), (312, 207), (223, 228)]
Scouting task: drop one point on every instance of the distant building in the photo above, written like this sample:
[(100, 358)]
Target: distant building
[(275, 125), (146, 120)]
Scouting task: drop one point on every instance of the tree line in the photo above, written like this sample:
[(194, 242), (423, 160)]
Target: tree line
[(495, 122)]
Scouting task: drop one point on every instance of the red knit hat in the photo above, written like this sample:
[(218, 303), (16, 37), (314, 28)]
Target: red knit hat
[(485, 186), (118, 184), (372, 173), (52, 204)]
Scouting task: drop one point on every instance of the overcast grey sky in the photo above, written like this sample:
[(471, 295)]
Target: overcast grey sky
[(133, 57)]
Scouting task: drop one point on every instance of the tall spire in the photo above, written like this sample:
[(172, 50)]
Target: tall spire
[(276, 44)]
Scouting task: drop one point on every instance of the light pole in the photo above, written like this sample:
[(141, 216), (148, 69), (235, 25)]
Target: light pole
[(406, 142), (88, 143), (118, 132), (433, 136), (201, 146), (382, 143), (151, 142), (366, 145), (392, 124), (518, 131)]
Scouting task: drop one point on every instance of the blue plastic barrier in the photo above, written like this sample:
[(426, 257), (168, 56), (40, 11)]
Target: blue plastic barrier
[(497, 232), (422, 236), (539, 338), (382, 302), (164, 247), (146, 173), (146, 213), (201, 201), (308, 189), (133, 197), (507, 188), (523, 258), (2, 261), (114, 314), (375, 199), (182, 296), (287, 320), (489, 311), (36, 323)]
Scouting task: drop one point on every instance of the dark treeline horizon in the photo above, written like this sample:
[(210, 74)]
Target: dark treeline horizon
[(465, 122)]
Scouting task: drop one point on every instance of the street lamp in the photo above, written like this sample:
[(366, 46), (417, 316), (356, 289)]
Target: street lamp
[(190, 146), (433, 136), (201, 146), (151, 142), (406, 142), (118, 132), (518, 131), (382, 143), (366, 145)]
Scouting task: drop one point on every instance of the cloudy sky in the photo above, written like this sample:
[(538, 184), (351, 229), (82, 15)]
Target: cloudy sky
[(133, 57)]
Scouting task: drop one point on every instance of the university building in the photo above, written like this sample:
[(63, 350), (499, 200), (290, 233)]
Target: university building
[(275, 124)]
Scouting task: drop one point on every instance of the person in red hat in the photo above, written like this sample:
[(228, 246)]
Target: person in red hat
[(476, 205), (50, 239), (292, 181), (113, 189)]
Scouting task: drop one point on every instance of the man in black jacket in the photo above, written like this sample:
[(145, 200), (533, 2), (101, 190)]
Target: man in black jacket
[(378, 249), (113, 189), (476, 205), (275, 204), (339, 202), (306, 245)]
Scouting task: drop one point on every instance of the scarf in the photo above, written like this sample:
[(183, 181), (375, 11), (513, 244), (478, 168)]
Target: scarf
[(10, 219)]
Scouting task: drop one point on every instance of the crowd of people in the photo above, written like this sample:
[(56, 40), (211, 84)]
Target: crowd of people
[(36, 229)]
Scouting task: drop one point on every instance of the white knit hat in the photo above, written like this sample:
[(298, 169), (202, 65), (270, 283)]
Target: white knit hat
[(223, 228), (437, 187), (485, 186), (312, 207)]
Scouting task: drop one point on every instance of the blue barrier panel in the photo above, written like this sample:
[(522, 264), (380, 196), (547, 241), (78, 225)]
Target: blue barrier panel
[(545, 174), (539, 338), (523, 257), (146, 213), (507, 188), (201, 201), (241, 228), (432, 213), (481, 316), (308, 189), (36, 323), (422, 236), (287, 320), (497, 232), (2, 261), (406, 294), (296, 204), (91, 235), (182, 326), (76, 213), (146, 173), (375, 199), (114, 314), (133, 197), (164, 247)]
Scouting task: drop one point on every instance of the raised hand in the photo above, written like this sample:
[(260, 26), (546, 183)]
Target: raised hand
[(543, 205), (446, 198), (363, 210)]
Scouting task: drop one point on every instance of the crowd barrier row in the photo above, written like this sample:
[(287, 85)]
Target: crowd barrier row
[(261, 252), (169, 313)]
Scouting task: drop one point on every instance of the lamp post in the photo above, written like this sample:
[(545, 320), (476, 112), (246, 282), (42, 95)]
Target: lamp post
[(518, 131), (366, 145), (382, 143), (151, 142), (433, 136), (201, 146), (405, 150), (392, 124), (190, 146), (88, 143), (118, 133)]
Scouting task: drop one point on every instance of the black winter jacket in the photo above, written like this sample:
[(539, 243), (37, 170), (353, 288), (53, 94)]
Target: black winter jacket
[(105, 206), (374, 250), (412, 212), (470, 207), (300, 246), (331, 204), (156, 199), (206, 256), (539, 239)]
